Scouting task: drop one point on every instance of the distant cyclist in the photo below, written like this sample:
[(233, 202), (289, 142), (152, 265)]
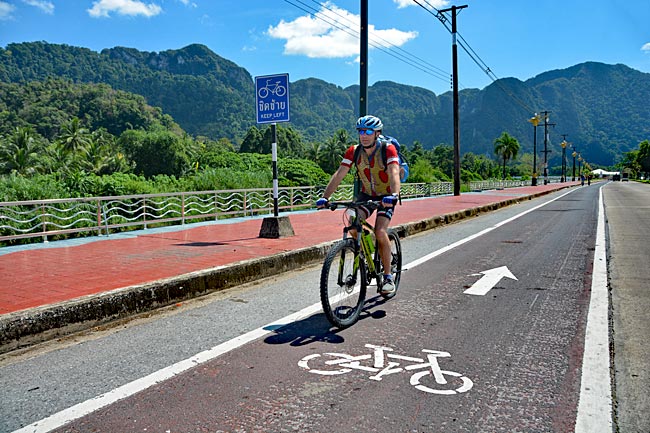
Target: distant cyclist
[(379, 183)]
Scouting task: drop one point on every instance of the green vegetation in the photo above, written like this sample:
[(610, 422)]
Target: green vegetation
[(637, 162), (602, 108), (90, 140), (507, 147), (74, 122)]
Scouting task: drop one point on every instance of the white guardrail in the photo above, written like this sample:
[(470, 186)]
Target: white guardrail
[(100, 215)]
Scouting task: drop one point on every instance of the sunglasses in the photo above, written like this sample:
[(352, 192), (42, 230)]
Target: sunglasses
[(366, 131)]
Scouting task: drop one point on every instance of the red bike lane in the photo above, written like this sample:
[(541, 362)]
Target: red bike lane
[(40, 277)]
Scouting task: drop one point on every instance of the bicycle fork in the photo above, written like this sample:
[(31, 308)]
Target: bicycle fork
[(351, 280)]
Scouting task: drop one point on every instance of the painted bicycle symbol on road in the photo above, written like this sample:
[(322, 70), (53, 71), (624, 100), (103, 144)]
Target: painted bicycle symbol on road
[(276, 89), (383, 362)]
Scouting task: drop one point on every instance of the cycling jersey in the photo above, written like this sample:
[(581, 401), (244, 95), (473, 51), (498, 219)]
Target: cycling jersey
[(373, 174)]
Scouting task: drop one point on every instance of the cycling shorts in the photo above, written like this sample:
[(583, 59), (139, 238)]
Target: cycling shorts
[(386, 212)]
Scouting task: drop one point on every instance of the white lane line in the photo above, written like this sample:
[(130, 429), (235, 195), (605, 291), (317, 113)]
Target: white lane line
[(79, 410), (436, 253), (595, 405)]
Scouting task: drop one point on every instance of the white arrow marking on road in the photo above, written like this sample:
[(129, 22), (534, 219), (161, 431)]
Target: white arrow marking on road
[(489, 279)]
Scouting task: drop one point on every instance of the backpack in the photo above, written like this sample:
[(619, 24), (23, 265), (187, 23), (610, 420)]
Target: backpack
[(403, 163)]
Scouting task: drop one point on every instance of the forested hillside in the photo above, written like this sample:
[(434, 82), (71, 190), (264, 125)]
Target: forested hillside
[(603, 108)]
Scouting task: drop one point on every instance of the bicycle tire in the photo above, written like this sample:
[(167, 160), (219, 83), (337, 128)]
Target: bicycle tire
[(395, 262), (342, 289)]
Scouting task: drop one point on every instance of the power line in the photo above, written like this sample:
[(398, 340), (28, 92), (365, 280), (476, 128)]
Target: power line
[(473, 55), (422, 61), (418, 63), (403, 55), (351, 31)]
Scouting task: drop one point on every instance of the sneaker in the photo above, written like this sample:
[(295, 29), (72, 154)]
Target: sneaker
[(388, 288)]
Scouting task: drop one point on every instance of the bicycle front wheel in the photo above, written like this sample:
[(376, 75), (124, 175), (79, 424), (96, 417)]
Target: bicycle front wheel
[(343, 285)]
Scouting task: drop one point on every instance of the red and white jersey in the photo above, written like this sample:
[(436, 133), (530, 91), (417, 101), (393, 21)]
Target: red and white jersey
[(373, 174)]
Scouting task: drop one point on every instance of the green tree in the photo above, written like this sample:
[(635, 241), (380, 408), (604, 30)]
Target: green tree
[(331, 152), (253, 141), (442, 158), (157, 152), (56, 159), (507, 147), (289, 141), (421, 172), (74, 138), (19, 153), (480, 165), (643, 157), (101, 157), (417, 152), (312, 152)]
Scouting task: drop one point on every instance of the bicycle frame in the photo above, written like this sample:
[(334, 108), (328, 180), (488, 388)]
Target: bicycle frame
[(364, 240)]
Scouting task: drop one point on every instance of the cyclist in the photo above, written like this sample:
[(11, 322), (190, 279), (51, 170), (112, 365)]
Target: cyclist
[(379, 183)]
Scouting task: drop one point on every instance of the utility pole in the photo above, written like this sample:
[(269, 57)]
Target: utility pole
[(454, 56), (546, 151), (363, 57)]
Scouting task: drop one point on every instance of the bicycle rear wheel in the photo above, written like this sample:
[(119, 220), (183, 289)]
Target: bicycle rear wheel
[(395, 262), (343, 285)]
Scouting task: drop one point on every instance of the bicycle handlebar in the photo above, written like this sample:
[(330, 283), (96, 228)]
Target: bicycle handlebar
[(333, 205)]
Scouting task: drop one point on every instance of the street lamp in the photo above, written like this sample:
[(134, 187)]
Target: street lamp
[(574, 154), (546, 151), (579, 166), (535, 121), (563, 144)]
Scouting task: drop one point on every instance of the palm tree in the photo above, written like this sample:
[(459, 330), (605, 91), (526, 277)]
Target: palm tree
[(56, 159), (312, 152), (332, 151), (99, 156), (19, 153), (74, 138), (507, 147)]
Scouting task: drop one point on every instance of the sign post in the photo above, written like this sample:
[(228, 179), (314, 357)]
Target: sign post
[(272, 106)]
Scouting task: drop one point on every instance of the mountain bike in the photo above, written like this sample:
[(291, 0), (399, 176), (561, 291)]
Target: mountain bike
[(352, 264)]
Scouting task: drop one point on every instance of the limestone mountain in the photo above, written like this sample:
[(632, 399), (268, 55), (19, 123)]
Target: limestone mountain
[(603, 108)]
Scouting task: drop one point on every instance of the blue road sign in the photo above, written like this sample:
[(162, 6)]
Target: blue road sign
[(272, 98)]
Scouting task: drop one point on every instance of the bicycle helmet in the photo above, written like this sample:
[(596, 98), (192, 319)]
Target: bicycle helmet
[(370, 122)]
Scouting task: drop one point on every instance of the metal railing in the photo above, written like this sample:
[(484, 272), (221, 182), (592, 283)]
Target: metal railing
[(101, 215)]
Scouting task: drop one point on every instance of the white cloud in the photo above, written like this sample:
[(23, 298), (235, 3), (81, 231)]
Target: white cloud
[(5, 10), (318, 37), (103, 8), (45, 6), (438, 4), (646, 48)]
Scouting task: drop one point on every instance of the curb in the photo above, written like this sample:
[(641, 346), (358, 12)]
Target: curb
[(29, 327)]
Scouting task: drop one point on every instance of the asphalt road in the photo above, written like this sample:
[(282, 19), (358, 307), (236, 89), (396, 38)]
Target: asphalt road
[(433, 359), (628, 214)]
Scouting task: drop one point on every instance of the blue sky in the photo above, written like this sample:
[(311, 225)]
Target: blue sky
[(513, 38)]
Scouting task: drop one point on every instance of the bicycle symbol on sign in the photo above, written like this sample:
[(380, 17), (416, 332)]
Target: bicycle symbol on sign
[(383, 364), (276, 89)]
